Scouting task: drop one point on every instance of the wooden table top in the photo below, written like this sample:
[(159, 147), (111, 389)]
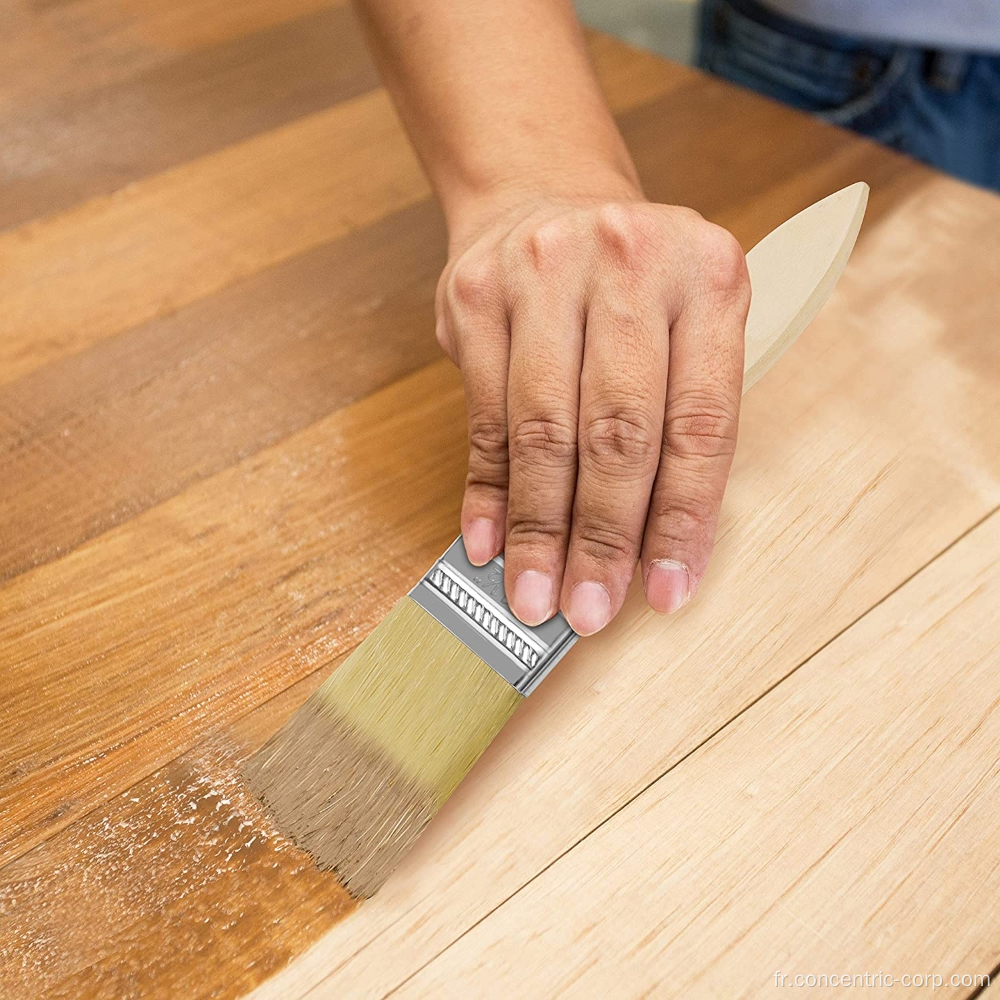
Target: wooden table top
[(228, 443)]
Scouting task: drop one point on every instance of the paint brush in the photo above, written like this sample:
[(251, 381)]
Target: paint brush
[(358, 772)]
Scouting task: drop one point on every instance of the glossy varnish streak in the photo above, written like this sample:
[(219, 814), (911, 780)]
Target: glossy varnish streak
[(227, 448), (184, 863)]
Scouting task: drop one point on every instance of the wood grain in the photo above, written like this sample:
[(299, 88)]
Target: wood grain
[(311, 539), (859, 462), (50, 49), (183, 864), (95, 438), (220, 467), (119, 260), (143, 252), (91, 142), (210, 603), (846, 823)]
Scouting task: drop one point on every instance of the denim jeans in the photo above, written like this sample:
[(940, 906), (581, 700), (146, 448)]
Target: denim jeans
[(942, 107)]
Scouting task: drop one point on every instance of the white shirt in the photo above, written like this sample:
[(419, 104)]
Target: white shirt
[(973, 25)]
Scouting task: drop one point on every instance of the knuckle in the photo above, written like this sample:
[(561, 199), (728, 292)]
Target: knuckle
[(623, 435), (685, 216), (528, 531), (441, 334), (605, 542), (472, 285), (724, 265), (544, 439), (677, 522), (699, 426), (487, 445), (546, 246), (626, 234)]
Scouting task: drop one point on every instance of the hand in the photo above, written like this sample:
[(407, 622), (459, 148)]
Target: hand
[(601, 349)]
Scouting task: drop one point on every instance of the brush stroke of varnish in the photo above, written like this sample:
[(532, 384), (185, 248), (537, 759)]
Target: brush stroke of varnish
[(181, 887)]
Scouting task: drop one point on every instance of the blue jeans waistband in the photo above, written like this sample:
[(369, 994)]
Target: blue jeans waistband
[(828, 54)]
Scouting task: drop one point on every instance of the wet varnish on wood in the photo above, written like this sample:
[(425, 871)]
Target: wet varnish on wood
[(228, 444)]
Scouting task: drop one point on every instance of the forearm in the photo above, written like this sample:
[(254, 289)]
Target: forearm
[(600, 337), (499, 100)]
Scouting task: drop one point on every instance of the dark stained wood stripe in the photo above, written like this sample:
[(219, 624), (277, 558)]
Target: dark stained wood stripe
[(52, 47), (90, 441), (90, 143)]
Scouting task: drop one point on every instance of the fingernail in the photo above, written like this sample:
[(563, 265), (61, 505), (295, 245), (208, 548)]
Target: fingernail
[(532, 597), (480, 541), (589, 607), (668, 585)]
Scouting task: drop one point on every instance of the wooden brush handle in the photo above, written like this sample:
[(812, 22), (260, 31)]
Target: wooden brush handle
[(793, 271)]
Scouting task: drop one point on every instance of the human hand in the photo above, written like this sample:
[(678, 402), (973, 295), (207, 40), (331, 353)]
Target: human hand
[(601, 348)]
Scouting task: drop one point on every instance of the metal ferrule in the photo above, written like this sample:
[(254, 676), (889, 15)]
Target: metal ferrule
[(469, 601)]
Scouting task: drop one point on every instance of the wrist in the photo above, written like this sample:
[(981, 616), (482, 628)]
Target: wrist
[(471, 210)]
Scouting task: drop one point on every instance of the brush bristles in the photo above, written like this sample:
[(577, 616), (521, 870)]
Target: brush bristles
[(358, 772)]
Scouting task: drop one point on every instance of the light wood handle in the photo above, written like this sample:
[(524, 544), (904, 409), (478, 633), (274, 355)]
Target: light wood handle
[(793, 271)]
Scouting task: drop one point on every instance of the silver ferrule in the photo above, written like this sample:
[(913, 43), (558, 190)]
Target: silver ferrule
[(469, 601)]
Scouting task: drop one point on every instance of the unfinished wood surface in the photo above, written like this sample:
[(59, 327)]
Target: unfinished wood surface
[(199, 527), (846, 823)]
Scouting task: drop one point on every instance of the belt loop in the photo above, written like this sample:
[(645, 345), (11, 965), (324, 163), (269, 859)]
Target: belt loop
[(946, 70)]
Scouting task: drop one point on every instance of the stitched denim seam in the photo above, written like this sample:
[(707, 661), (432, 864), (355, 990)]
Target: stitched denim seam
[(883, 87)]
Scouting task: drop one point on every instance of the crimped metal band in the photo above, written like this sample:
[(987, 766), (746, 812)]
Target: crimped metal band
[(469, 601)]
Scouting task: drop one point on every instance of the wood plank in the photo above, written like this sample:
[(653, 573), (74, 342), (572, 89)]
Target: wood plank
[(50, 49), (123, 259), (91, 142), (204, 606), (846, 823), (93, 439), (860, 460)]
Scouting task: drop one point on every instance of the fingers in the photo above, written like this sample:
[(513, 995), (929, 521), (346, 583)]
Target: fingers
[(542, 403), (473, 328), (704, 385), (622, 395), (596, 433)]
